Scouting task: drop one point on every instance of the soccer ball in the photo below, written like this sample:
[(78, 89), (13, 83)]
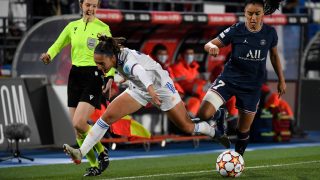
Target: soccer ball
[(230, 164)]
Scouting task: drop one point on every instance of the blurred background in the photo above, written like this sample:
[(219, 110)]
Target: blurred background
[(35, 94)]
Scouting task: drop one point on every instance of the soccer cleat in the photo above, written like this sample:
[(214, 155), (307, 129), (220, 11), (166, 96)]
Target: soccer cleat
[(93, 171), (103, 159), (75, 154), (223, 139)]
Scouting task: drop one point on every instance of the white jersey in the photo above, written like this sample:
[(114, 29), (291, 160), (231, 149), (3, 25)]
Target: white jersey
[(163, 84), (128, 58)]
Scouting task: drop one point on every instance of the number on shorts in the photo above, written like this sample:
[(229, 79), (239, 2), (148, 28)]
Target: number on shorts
[(220, 83)]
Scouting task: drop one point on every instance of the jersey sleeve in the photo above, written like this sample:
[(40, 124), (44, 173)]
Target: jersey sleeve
[(108, 32), (226, 36), (274, 38), (63, 40), (130, 62)]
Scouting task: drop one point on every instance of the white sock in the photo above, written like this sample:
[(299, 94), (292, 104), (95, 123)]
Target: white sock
[(204, 128), (94, 135)]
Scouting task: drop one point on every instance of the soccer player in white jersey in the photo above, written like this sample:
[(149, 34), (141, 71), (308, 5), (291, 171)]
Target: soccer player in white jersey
[(148, 83)]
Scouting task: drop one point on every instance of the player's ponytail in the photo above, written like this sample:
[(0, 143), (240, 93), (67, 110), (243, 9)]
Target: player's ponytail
[(269, 6), (108, 45)]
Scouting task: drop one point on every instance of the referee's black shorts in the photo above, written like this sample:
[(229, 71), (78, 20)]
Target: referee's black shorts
[(85, 86)]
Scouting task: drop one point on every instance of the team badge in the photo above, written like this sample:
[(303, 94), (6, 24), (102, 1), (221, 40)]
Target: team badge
[(91, 43), (126, 69), (263, 42)]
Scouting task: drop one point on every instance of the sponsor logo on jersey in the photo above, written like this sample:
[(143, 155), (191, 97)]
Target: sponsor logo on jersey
[(245, 41), (253, 55), (91, 96)]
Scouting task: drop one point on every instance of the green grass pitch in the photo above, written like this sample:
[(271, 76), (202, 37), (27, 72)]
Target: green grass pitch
[(292, 164)]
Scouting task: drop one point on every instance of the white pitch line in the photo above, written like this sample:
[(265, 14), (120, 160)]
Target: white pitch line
[(207, 171)]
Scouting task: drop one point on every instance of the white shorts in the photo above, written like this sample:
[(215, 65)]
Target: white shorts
[(168, 95)]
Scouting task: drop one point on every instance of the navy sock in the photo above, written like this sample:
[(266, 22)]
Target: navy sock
[(242, 142)]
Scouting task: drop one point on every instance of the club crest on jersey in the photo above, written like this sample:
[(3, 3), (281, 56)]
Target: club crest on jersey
[(91, 43), (263, 42), (126, 69)]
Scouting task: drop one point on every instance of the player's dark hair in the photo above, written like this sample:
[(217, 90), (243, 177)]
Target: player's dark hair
[(158, 47), (81, 1), (109, 45), (269, 6)]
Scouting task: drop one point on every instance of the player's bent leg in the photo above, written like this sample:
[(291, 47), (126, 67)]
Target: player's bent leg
[(206, 111), (180, 118), (121, 106), (210, 103), (79, 118), (124, 104), (81, 115)]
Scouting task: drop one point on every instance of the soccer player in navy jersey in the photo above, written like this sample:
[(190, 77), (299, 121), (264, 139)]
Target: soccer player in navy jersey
[(245, 71)]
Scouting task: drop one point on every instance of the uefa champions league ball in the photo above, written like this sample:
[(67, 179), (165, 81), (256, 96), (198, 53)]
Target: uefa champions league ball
[(230, 164)]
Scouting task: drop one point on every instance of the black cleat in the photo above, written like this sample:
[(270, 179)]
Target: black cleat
[(103, 159), (93, 171), (222, 139)]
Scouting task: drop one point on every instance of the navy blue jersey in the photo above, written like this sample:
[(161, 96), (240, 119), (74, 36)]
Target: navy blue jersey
[(246, 67)]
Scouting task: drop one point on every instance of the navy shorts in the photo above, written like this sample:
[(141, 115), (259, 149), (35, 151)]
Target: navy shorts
[(247, 100), (84, 85)]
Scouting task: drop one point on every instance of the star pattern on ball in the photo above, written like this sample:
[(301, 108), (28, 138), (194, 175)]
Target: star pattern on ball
[(232, 173), (221, 164), (235, 160)]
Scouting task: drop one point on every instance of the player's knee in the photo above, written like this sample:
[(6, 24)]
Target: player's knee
[(205, 114)]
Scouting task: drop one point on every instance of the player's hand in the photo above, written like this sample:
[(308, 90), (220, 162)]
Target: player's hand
[(107, 88), (214, 51), (45, 57), (155, 97), (281, 88)]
